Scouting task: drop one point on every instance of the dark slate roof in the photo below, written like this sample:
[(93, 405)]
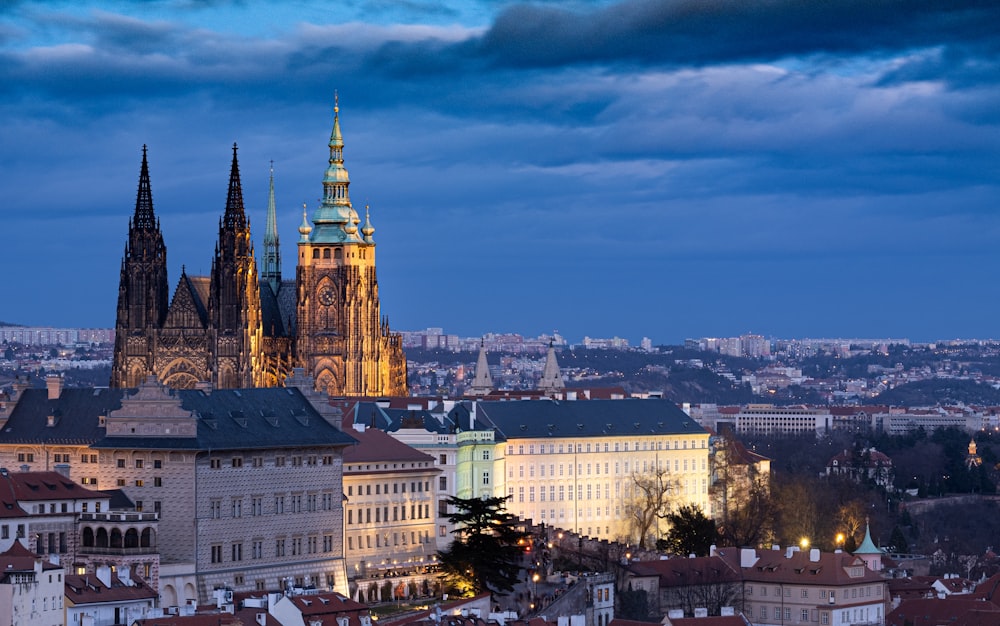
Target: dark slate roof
[(373, 415), (587, 418), (287, 303), (227, 419), (76, 411)]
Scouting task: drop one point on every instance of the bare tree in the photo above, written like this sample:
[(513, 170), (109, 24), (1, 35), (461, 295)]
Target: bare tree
[(741, 494), (649, 499)]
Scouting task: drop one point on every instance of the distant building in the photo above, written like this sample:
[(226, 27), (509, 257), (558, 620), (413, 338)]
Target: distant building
[(867, 464)]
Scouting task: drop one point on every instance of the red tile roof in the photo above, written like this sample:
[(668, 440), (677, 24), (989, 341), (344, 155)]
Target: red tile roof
[(89, 590), (950, 611), (375, 445)]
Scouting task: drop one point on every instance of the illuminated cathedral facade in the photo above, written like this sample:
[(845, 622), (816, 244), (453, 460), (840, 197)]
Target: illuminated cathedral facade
[(240, 328)]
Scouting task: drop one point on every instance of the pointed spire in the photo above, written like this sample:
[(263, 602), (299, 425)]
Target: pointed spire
[(335, 221), (144, 217), (552, 379), (368, 230), (482, 384), (304, 227), (271, 270), (235, 216)]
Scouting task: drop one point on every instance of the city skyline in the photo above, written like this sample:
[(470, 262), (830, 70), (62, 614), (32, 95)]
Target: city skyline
[(611, 168)]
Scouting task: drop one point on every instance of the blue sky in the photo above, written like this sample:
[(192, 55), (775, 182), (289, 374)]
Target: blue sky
[(647, 167)]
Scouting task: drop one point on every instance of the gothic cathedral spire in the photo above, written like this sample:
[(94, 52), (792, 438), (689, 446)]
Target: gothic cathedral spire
[(271, 262), (234, 296), (142, 289)]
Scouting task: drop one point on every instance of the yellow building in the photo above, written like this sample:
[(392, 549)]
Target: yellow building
[(577, 464)]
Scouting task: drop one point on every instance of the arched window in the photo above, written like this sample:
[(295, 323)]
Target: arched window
[(116, 538), (326, 253), (102, 538), (132, 538), (338, 254), (315, 253), (88, 537)]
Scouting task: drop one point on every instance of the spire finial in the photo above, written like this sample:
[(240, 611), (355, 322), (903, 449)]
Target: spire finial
[(336, 102)]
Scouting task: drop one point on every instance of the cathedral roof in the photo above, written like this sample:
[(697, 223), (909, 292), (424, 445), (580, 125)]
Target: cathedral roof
[(227, 419)]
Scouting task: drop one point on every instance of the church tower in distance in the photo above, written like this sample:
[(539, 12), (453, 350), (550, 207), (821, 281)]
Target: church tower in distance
[(341, 338)]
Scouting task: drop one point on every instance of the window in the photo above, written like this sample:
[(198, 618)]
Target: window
[(279, 461), (139, 482), (486, 478), (215, 509), (237, 508), (120, 482), (237, 551), (327, 543), (804, 616), (215, 463), (138, 505), (279, 547), (256, 506), (217, 553), (824, 618), (237, 461), (157, 464), (257, 549), (257, 461), (486, 455), (157, 481), (788, 613), (138, 464), (120, 462), (279, 504)]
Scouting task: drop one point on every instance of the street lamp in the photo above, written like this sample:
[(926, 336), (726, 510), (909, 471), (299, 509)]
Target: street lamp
[(804, 543), (840, 540)]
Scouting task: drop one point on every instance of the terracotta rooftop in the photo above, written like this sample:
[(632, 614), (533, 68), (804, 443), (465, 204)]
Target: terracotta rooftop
[(374, 445)]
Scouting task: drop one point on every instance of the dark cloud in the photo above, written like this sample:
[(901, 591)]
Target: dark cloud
[(696, 32)]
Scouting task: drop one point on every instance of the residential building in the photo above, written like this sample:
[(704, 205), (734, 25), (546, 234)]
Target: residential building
[(31, 589), (390, 505), (572, 464), (104, 598), (246, 483)]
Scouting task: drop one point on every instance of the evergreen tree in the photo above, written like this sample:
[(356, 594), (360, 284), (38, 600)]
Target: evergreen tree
[(690, 533), (485, 555)]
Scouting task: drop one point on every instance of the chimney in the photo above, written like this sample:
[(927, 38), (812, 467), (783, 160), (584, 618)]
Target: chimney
[(748, 556), (262, 619), (125, 575), (814, 555), (104, 575), (54, 383)]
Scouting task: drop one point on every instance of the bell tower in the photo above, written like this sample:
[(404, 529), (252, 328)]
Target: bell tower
[(341, 339)]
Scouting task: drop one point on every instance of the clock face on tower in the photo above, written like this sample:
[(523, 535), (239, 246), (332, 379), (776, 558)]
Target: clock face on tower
[(327, 296)]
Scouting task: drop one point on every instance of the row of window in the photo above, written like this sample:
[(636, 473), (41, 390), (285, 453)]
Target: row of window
[(867, 591), (296, 460), (419, 486), (593, 491), (140, 482), (283, 546), (417, 511), (382, 540), (139, 463), (295, 503), (595, 468), (617, 447)]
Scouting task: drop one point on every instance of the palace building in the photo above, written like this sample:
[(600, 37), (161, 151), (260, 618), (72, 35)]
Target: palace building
[(238, 328)]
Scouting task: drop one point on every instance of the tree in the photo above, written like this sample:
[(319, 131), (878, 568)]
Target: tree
[(690, 532), (485, 554), (649, 499), (741, 495)]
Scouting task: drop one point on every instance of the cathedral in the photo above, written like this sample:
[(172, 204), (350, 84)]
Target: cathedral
[(240, 328)]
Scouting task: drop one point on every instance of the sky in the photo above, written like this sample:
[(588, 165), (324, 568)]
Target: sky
[(660, 168)]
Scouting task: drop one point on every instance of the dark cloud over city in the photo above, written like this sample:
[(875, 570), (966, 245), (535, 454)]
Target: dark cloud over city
[(661, 168)]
